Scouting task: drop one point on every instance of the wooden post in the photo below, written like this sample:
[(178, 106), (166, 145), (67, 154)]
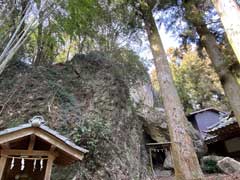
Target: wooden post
[(49, 167), (3, 161), (151, 162), (32, 142)]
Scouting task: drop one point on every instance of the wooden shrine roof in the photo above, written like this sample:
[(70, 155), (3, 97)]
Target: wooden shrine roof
[(67, 151), (161, 145)]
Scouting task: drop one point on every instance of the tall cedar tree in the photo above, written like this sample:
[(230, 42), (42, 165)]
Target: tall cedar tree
[(229, 12), (227, 78), (185, 160)]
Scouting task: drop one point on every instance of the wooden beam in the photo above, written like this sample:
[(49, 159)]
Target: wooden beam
[(49, 167), (15, 152), (151, 161), (3, 161), (16, 135), (32, 142), (59, 144), (158, 143), (52, 148), (5, 146), (13, 136)]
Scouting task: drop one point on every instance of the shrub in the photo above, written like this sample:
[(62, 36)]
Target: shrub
[(210, 166)]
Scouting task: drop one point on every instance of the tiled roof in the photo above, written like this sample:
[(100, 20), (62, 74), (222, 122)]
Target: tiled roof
[(210, 137), (212, 134), (38, 122), (206, 109), (222, 124)]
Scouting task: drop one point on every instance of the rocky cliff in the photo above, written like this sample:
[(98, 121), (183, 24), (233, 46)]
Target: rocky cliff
[(95, 103)]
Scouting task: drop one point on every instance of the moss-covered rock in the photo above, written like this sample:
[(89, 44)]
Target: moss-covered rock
[(86, 99), (98, 103)]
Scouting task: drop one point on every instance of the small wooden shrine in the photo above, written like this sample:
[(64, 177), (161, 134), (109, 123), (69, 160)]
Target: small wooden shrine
[(29, 151), (157, 153)]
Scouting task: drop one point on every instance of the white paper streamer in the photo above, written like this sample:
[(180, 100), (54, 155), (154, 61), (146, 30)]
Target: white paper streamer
[(12, 163), (34, 164), (41, 164), (22, 164)]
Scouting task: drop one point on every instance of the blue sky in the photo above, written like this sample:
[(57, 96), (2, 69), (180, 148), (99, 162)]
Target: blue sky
[(144, 51), (169, 41)]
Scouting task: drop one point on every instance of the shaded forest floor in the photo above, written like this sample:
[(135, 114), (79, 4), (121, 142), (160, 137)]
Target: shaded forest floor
[(210, 177)]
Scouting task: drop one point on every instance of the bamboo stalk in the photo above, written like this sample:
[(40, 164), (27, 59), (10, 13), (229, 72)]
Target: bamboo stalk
[(16, 42)]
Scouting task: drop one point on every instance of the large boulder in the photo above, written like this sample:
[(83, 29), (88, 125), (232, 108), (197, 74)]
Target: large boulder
[(87, 100), (154, 118), (90, 101), (229, 165), (154, 121), (155, 124), (141, 93)]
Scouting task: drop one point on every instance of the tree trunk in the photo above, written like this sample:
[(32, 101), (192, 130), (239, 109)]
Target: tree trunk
[(229, 12), (39, 58), (39, 53), (24, 4), (228, 80), (185, 160)]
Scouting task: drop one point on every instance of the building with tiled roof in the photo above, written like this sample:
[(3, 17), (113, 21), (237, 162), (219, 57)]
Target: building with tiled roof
[(220, 131)]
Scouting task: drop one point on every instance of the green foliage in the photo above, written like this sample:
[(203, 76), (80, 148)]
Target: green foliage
[(193, 14), (73, 26), (96, 25), (124, 64), (82, 16), (92, 135), (62, 93), (129, 66), (9, 16), (197, 83), (210, 166)]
